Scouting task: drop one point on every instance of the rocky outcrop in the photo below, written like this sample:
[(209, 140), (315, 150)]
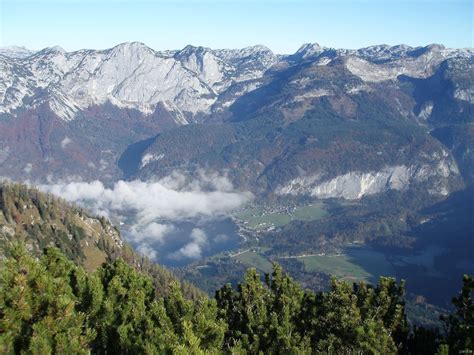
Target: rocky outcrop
[(130, 75), (192, 81), (354, 185)]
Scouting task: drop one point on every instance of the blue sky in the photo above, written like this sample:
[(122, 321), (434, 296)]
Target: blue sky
[(282, 25)]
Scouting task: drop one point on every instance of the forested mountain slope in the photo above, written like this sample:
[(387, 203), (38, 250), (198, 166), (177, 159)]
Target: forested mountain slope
[(68, 283), (40, 221), (70, 115), (52, 305)]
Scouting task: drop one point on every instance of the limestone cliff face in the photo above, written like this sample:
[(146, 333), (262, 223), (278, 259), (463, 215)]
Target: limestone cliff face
[(190, 81), (313, 121), (357, 184), (130, 75)]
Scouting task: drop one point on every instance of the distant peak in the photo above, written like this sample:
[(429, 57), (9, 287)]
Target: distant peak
[(402, 47), (191, 49), (435, 47), (258, 48), (131, 46), (16, 51), (309, 50), (14, 48), (255, 50), (416, 52), (310, 47), (384, 50), (54, 49)]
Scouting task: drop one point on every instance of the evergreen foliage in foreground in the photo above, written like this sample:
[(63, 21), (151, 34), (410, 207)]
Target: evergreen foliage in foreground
[(52, 305)]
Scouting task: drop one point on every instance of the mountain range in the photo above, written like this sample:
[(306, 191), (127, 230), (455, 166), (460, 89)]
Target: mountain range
[(71, 115), (382, 135)]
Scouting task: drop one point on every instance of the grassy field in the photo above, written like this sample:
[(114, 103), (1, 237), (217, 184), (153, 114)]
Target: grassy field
[(258, 219), (309, 213), (353, 264), (271, 219), (424, 259), (94, 257), (247, 213), (256, 260)]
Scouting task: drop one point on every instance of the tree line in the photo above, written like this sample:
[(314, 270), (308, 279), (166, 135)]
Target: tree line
[(52, 305)]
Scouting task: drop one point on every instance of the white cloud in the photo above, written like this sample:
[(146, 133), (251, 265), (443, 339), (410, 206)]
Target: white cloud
[(153, 231), (153, 206), (221, 238), (199, 236), (192, 250), (173, 197), (148, 251), (189, 251)]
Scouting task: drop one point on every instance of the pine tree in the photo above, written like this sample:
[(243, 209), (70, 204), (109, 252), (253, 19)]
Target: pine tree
[(460, 324), (38, 306)]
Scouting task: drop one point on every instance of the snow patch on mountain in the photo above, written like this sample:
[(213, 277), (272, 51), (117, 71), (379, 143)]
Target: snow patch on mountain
[(130, 75), (191, 81), (420, 62)]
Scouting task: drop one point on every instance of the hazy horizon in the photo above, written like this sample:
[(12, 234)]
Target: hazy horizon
[(282, 26), (228, 48)]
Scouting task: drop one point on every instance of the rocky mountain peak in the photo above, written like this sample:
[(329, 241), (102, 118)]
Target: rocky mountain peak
[(255, 50), (190, 49), (310, 50), (17, 52), (55, 50), (191, 80), (131, 49)]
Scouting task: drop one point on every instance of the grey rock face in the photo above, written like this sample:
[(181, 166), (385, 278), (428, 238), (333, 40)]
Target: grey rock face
[(192, 80), (354, 185), (130, 75)]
